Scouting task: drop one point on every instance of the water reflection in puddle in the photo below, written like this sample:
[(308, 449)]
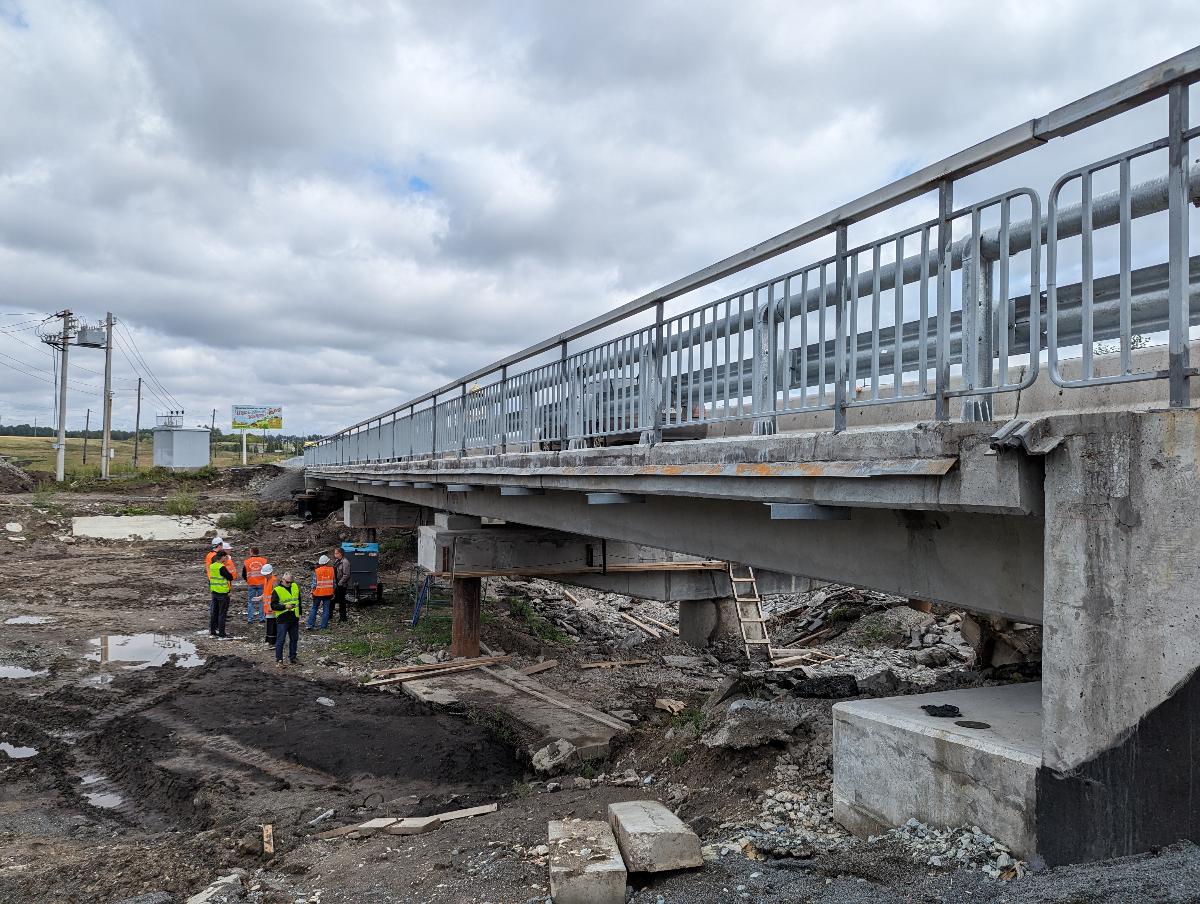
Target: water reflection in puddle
[(144, 650), (17, 753), (106, 800), (29, 620), (96, 680), (16, 671)]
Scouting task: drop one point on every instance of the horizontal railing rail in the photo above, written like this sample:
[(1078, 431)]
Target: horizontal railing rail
[(871, 325)]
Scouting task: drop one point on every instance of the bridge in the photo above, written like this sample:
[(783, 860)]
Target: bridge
[(991, 408)]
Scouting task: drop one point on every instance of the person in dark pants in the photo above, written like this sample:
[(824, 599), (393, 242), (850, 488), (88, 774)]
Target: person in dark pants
[(341, 569), (285, 603), (220, 579), (268, 587)]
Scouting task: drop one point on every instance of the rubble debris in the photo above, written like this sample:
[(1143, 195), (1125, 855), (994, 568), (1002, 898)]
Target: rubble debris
[(14, 479), (727, 688), (829, 687), (640, 625), (553, 756), (652, 839), (585, 863), (963, 846), (753, 723), (613, 663), (223, 891), (666, 704)]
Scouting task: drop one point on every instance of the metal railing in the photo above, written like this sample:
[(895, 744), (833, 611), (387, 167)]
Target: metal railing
[(870, 325)]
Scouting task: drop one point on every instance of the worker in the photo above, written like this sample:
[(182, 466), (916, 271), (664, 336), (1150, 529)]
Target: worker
[(268, 586), (252, 575), (220, 579), (324, 581), (217, 543), (341, 570), (285, 602), (227, 558)]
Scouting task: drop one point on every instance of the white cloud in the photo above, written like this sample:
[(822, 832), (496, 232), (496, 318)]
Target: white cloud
[(336, 205)]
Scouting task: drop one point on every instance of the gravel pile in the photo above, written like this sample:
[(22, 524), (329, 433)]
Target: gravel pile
[(965, 846), (14, 480)]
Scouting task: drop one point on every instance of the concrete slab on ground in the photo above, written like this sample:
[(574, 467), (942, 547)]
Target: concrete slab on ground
[(145, 527), (652, 838), (547, 715), (585, 863), (892, 762)]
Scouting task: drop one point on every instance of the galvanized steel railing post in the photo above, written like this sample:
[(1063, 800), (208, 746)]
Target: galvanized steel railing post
[(839, 347), (564, 396), (762, 395), (527, 415), (650, 382), (1177, 244), (462, 420), (503, 409), (945, 238), (976, 326)]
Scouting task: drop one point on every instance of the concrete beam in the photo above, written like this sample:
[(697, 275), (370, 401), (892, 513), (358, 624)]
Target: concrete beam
[(988, 563), (371, 511)]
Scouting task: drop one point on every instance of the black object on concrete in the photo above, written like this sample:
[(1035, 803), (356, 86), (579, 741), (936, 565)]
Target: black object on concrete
[(942, 710)]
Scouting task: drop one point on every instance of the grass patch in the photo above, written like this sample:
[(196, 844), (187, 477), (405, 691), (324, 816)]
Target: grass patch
[(135, 510), (521, 610), (182, 504), (243, 517), (692, 715), (433, 630), (373, 641), (404, 546), (679, 757), (875, 629)]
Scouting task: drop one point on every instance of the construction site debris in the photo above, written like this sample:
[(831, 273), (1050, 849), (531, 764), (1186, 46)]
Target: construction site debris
[(223, 891), (666, 704), (14, 479), (640, 625), (965, 846), (586, 866), (652, 839), (830, 687), (423, 672), (539, 667), (753, 723), (942, 710), (414, 825), (612, 663), (554, 756)]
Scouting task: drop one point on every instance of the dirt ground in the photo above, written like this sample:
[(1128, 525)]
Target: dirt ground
[(139, 757)]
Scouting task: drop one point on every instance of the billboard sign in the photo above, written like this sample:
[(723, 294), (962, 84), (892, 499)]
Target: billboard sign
[(257, 417)]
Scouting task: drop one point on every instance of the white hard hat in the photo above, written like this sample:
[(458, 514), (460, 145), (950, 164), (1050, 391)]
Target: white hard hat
[(267, 569), (217, 541), (226, 546), (324, 560)]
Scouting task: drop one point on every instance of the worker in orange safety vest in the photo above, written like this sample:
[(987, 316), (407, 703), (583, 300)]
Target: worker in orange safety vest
[(324, 582), (252, 575), (267, 586)]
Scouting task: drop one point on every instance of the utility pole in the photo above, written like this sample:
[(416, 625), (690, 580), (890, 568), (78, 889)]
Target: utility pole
[(137, 424), (106, 443), (60, 465), (87, 423)]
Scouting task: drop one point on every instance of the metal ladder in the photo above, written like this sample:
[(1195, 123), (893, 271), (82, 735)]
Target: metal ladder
[(749, 610)]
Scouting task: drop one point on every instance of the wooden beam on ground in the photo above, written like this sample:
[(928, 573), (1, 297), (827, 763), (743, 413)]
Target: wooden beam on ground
[(539, 667), (663, 625), (438, 673), (436, 666), (612, 664), (633, 621), (468, 812)]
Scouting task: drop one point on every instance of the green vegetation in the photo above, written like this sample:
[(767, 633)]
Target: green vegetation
[(693, 715), (679, 757), (135, 510), (433, 630), (521, 610), (875, 629), (182, 504), (373, 641), (404, 546), (243, 517)]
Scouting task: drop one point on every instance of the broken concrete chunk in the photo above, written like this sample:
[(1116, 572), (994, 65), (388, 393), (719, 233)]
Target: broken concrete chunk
[(223, 891), (752, 723), (585, 863), (723, 691), (652, 838), (827, 687), (554, 756)]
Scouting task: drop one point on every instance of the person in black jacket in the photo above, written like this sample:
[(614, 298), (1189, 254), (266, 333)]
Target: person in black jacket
[(341, 568)]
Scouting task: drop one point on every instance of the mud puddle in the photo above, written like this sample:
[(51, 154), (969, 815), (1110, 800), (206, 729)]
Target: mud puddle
[(17, 672), (144, 651), (30, 620)]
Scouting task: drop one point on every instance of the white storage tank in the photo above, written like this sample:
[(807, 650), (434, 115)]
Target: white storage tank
[(181, 448)]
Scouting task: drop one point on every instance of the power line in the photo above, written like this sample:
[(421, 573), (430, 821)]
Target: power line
[(149, 372), (146, 383)]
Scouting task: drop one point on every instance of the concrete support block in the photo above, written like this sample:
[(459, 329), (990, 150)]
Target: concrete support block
[(450, 521), (585, 863), (893, 762), (652, 838), (371, 512), (704, 622), (1122, 636)]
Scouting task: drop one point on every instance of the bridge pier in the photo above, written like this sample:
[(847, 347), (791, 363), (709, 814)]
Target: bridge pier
[(707, 621), (467, 593)]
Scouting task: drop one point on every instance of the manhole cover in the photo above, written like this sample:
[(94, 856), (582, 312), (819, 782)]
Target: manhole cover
[(967, 723)]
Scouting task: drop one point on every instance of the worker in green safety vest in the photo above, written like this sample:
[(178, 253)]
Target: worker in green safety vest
[(220, 579), (285, 603)]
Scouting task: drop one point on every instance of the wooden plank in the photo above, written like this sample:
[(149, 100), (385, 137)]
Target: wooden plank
[(569, 595), (337, 833), (434, 666), (666, 704), (414, 825), (612, 664), (812, 637), (421, 676), (268, 839), (468, 812), (539, 667), (587, 713), (633, 621), (663, 625)]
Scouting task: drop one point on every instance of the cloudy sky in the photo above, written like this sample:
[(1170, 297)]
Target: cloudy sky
[(337, 205)]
